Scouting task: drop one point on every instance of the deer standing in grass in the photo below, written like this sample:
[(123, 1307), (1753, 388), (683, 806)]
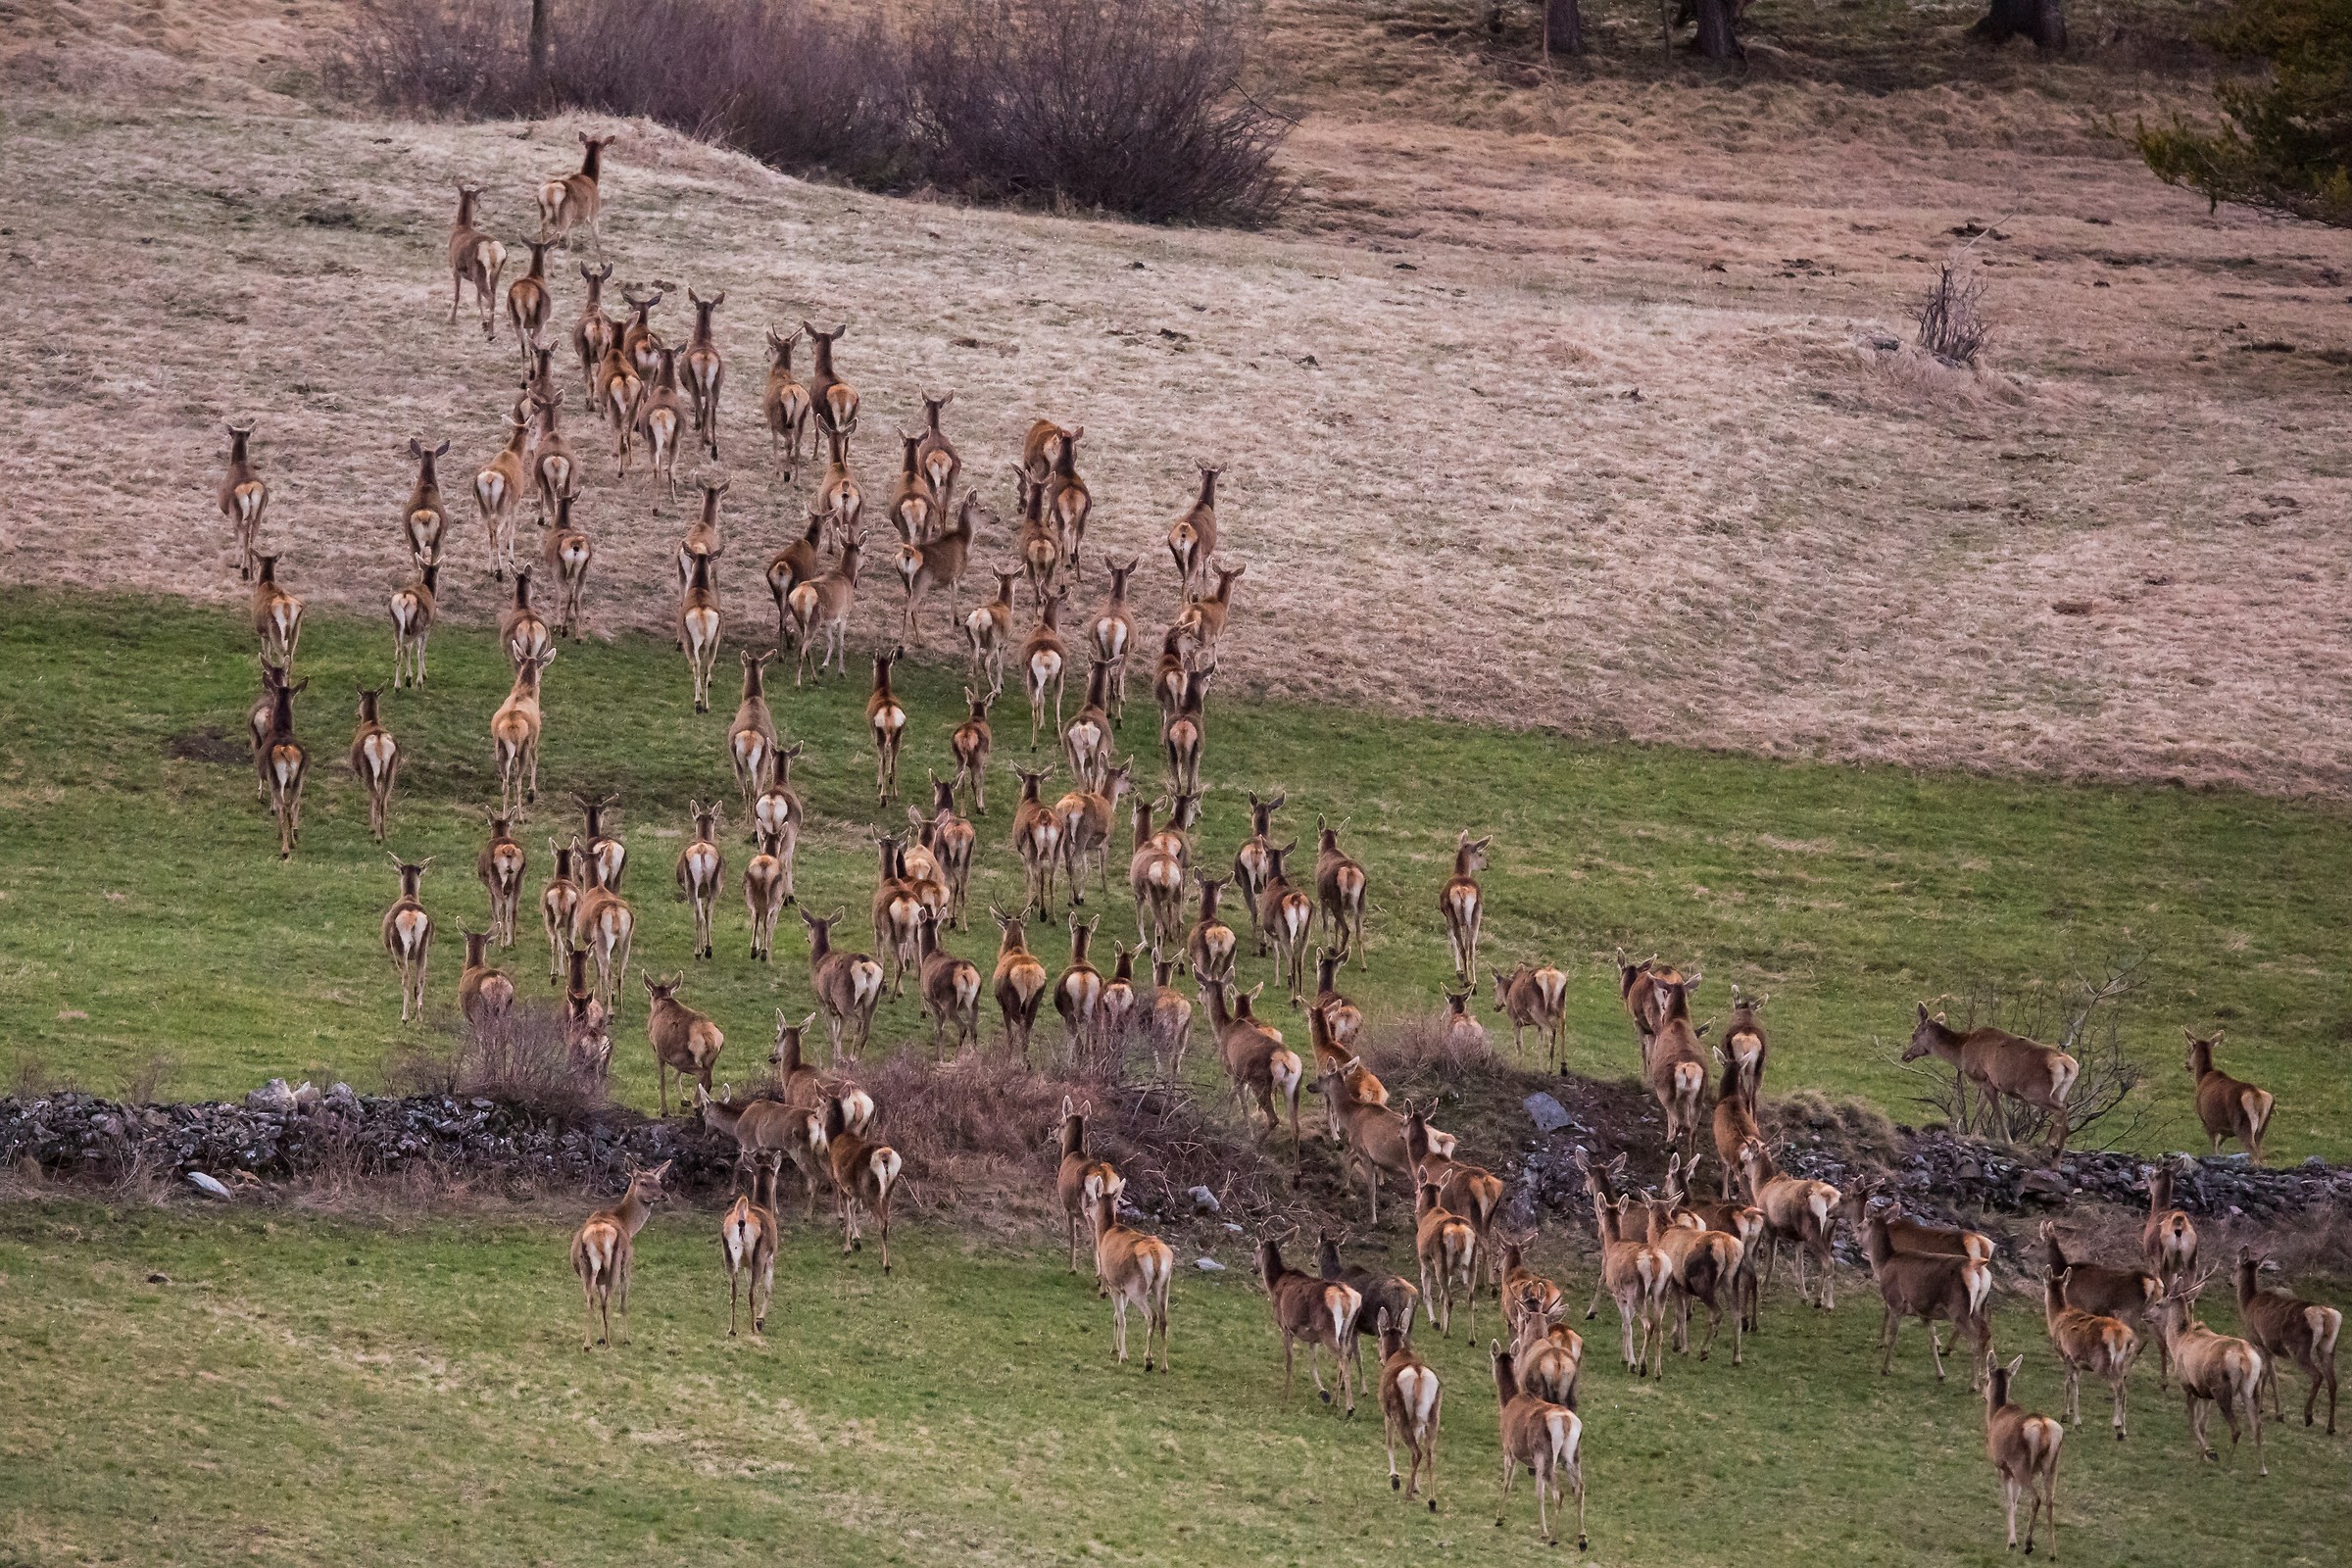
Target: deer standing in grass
[(604, 1250), (2214, 1369), (408, 934), (1462, 903), (1741, 1221), (1535, 996), (1045, 661), (778, 812), (987, 630), (848, 986), (705, 367), (1410, 1406), (1370, 1135), (284, 762), (500, 870), (1800, 1212), (1341, 887), (277, 615), (701, 872), (425, 520), (2168, 1237), (1155, 878), (685, 1041), (587, 1024), (1086, 740), (1256, 1063), (833, 400), (823, 607), (245, 494), (1930, 1286), (746, 1244), (2104, 1346), (2229, 1107), (766, 889), (1254, 861), (474, 258), (785, 405), (1078, 992), (558, 902), (1135, 1269), (1633, 1274), (1320, 1311), (2285, 1327), (1548, 1440), (2001, 1064), (2023, 1447), (886, 719), (485, 993), (952, 841), (515, 735), (1446, 1244), (925, 564), (571, 201), (1674, 1069), (566, 551), (1192, 537), (1286, 919), (752, 737), (414, 609), (1081, 1179), (1018, 983), (1085, 818), (950, 988), (662, 420), (605, 926), (1111, 630), (375, 760), (1210, 945), (528, 301), (1702, 1265), (796, 563), (593, 332), (1383, 1293), (1036, 839), (1745, 1043), (865, 1176), (1185, 734), (1171, 1019)]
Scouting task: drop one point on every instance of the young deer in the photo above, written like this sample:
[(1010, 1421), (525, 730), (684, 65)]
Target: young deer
[(660, 419), (375, 760), (425, 520), (924, 566), (704, 536), (1045, 661), (1210, 945), (684, 1041), (618, 386), (1036, 839), (2213, 1368), (1192, 537), (1999, 1063), (408, 934), (1256, 1061), (245, 494), (1135, 1269), (1286, 919), (500, 870), (823, 606), (558, 902), (2023, 1449), (838, 494), (1929, 1287), (605, 1248), (571, 201), (865, 1174), (848, 986), (1548, 1440), (2286, 1328), (1309, 1307), (778, 812), (1341, 887), (528, 301), (705, 367), (987, 630), (1081, 1179), (833, 400), (277, 615), (785, 405), (515, 735), (886, 719), (1446, 1244), (593, 332), (2168, 1237), (2104, 1346), (1112, 632), (1536, 996), (1209, 612), (1463, 904), (2229, 1107), (1018, 982), (746, 1244), (475, 259), (701, 872), (485, 993)]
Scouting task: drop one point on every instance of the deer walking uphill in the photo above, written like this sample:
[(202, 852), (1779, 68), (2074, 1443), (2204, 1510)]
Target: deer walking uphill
[(865, 1178), (245, 496), (2286, 1328), (1462, 903), (1547, 1441), (706, 369), (1256, 1063), (1136, 1270), (407, 935), (498, 488), (700, 872), (2084, 1342), (277, 615), (1411, 1405), (572, 201), (1535, 996), (528, 302), (375, 760), (848, 986), (2023, 1449), (476, 259), (425, 520), (593, 332), (604, 1250), (1193, 536), (499, 869), (746, 1244), (1309, 1307), (685, 1041), (700, 625), (485, 992), (284, 762), (515, 735)]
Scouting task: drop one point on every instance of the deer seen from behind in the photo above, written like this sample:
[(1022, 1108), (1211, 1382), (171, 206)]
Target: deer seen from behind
[(848, 987), (2168, 1237), (2104, 1346), (866, 1177), (822, 608), (514, 737), (1411, 1405), (832, 400), (1320, 1311), (987, 630), (885, 720), (528, 301), (2023, 1449), (245, 494), (593, 332), (407, 935), (572, 201), (425, 520), (785, 405), (1258, 1065), (1193, 536), (499, 869), (485, 992), (685, 1041), (375, 760), (746, 1244), (2228, 1108), (285, 764), (701, 872), (277, 615), (2286, 1328), (660, 419), (1800, 1212), (476, 259), (924, 566), (604, 1253), (1019, 981), (2214, 1369), (1081, 1179), (1931, 1287), (1134, 1269), (1547, 1441), (705, 367), (1462, 904), (558, 902)]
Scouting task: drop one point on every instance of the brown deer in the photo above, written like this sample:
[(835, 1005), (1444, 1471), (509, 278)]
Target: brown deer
[(786, 405), (1341, 887), (701, 872), (1036, 839), (558, 902), (283, 761), (1800, 1212), (1018, 982), (1446, 1246), (1177, 651), (705, 536), (1908, 1235), (1320, 1311), (1256, 1063), (566, 551), (1535, 996), (987, 630), (1116, 1014), (1081, 1178), (661, 420), (912, 506), (796, 563), (587, 1024), (610, 854), (838, 494), (474, 258), (277, 615), (572, 201), (593, 331), (245, 494), (865, 1176), (923, 566), (1930, 1286), (515, 735), (1192, 537), (1734, 1123), (1464, 1035), (1523, 1293), (1136, 1270), (950, 988), (1468, 1190), (1086, 740), (886, 719), (1392, 1294), (2213, 1368), (1548, 1440), (425, 520), (952, 841), (833, 400), (1085, 818), (375, 760), (823, 607), (1209, 612), (1210, 945), (848, 986), (497, 486), (2229, 1107), (640, 343), (936, 454), (1078, 992), (1286, 919), (1334, 1041), (485, 993), (2023, 1449), (408, 933), (1633, 1273), (1171, 1018), (1674, 1070), (705, 367), (1045, 661), (973, 743), (1370, 1136), (1411, 1405), (2168, 1238), (1185, 733), (1999, 1063), (685, 1041), (752, 737), (605, 926), (604, 1250), (1747, 1044), (1743, 1221), (1701, 1265), (1254, 860), (500, 868), (746, 1244), (778, 812), (1112, 632), (619, 386), (414, 609), (554, 470), (2286, 1328), (2104, 1346), (803, 1085), (766, 889), (528, 301), (1463, 904)]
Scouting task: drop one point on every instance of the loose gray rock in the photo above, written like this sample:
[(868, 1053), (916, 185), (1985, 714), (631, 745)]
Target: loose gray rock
[(1204, 1202), (207, 1185), (1547, 1113), (1209, 1266)]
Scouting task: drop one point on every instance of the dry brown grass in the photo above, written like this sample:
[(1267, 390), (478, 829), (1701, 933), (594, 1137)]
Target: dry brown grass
[(1424, 389)]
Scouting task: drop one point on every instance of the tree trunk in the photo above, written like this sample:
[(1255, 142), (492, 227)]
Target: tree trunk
[(539, 39), (2042, 21), (1563, 27), (1715, 39)]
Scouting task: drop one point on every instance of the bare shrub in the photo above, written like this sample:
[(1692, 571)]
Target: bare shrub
[(31, 1077), (1412, 1048), (451, 57), (148, 1084), (1951, 318), (526, 1061)]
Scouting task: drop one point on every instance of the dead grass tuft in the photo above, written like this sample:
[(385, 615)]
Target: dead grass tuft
[(526, 1061)]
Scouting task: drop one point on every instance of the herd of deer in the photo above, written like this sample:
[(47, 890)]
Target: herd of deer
[(1660, 1250)]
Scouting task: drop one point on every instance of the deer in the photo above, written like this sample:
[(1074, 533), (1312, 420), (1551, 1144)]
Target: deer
[(1742, 1221), (605, 926), (1110, 631), (705, 536), (1116, 1014), (912, 505), (1036, 838), (2168, 1238), (1210, 945), (1081, 1179), (1907, 1235), (866, 1177), (746, 1246), (1193, 536), (497, 486), (949, 989), (924, 564), (2214, 1369), (619, 386), (1078, 992), (1254, 861), (1929, 1287), (805, 1088), (848, 986), (1411, 1405), (898, 912), (701, 872), (408, 934), (1068, 502), (1633, 1274), (1086, 740), (593, 331), (1637, 987), (2285, 1327), (571, 201), (1255, 1060), (1184, 734), (833, 400), (660, 418), (1674, 1070), (786, 405), (1340, 892), (555, 470), (752, 737), (1171, 1018), (1320, 1311), (1039, 546), (528, 300), (1332, 1024), (485, 993), (1155, 878), (2104, 1346), (607, 852), (374, 757), (1701, 1264), (2023, 1447), (766, 1132), (2228, 1108), (1383, 1293), (988, 631), (1018, 982), (425, 520), (638, 341), (515, 735), (796, 563), (778, 812), (413, 608), (277, 615), (558, 902), (1747, 1044), (685, 1041), (1177, 649), (886, 719), (500, 870), (1370, 1136), (1084, 819), (605, 1248), (823, 606), (1208, 611), (705, 367), (1470, 1190), (1463, 904), (1535, 996), (837, 495), (952, 841), (283, 761), (1286, 919), (1045, 661), (474, 258), (1523, 1295), (1135, 1269), (1464, 1035), (766, 889), (587, 1024), (1800, 1212), (1999, 1063), (245, 494), (1551, 1359), (1544, 1438), (1446, 1244)]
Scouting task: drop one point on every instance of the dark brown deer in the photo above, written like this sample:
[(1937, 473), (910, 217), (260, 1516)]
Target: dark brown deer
[(685, 1041), (833, 400), (2001, 1064), (923, 566), (1320, 1311), (2229, 1107), (1392, 1294), (245, 494), (474, 260), (1929, 1287), (2285, 1327), (866, 1177)]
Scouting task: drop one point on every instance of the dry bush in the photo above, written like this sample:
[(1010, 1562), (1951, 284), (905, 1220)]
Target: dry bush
[(1410, 1049), (148, 1086), (524, 1061), (1951, 318), (32, 1078), (435, 56), (1852, 1126)]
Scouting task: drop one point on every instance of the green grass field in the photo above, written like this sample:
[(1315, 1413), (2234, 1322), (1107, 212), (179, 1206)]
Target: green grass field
[(310, 1390), (143, 914)]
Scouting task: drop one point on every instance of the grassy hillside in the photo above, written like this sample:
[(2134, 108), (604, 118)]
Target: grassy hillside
[(146, 914), (313, 1391)]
